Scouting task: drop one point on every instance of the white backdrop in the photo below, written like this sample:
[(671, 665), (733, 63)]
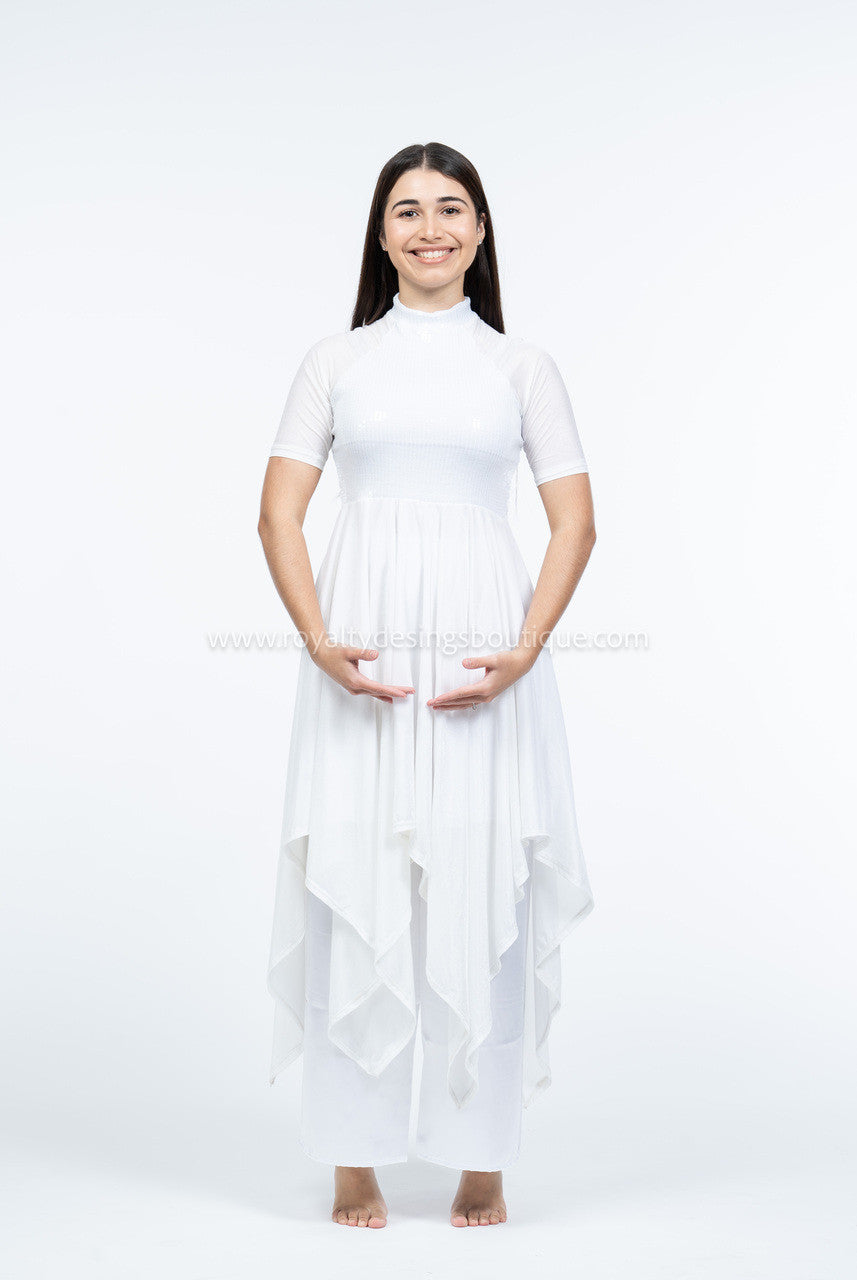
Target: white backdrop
[(673, 195)]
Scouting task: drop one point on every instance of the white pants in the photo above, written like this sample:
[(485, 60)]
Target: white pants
[(351, 1118)]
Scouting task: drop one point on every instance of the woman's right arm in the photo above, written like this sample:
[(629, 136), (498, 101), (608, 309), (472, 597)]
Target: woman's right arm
[(288, 486)]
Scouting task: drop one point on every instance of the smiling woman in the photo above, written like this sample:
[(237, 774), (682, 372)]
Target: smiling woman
[(433, 231), (430, 862)]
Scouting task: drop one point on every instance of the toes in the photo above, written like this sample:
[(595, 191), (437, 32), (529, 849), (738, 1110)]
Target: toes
[(360, 1215), (476, 1217)]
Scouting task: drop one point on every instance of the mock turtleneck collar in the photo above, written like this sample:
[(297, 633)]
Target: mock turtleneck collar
[(408, 316)]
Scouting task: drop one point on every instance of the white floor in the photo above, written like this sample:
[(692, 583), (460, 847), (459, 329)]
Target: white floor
[(695, 1192)]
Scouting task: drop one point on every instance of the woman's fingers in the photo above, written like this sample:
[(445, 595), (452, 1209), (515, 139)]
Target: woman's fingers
[(499, 675), (341, 665), (386, 692), (464, 695)]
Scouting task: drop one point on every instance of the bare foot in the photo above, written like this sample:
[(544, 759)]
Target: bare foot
[(479, 1200), (357, 1198)]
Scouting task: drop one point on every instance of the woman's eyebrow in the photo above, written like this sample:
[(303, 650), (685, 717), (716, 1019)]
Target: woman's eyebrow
[(440, 200)]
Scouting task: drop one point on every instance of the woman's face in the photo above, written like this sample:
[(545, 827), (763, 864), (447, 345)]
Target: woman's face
[(430, 232)]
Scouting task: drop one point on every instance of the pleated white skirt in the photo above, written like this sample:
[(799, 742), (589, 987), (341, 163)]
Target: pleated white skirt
[(373, 787), (349, 1117)]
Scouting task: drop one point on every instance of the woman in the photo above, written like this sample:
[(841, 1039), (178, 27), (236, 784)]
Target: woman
[(430, 860)]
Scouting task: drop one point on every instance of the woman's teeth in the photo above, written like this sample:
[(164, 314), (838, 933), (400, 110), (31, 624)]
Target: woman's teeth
[(431, 255)]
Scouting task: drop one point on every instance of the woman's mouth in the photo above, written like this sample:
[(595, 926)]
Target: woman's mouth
[(432, 255)]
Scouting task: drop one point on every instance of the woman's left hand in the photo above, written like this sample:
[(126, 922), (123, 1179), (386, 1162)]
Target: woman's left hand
[(502, 670)]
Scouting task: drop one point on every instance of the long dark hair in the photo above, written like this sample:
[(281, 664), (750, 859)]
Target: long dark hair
[(379, 280)]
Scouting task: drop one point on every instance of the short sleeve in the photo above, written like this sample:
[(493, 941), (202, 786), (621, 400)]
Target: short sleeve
[(550, 437), (306, 427)]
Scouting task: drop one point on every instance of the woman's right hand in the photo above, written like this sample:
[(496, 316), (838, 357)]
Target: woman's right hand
[(339, 661)]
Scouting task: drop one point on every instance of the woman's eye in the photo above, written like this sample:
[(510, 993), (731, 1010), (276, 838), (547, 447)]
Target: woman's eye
[(450, 208)]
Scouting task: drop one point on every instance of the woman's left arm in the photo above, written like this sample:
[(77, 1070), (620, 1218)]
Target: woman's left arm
[(568, 504)]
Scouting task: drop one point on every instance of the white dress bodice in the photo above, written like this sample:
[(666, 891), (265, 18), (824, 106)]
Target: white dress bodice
[(430, 405)]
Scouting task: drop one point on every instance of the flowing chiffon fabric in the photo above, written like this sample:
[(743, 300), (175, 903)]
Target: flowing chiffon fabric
[(373, 787)]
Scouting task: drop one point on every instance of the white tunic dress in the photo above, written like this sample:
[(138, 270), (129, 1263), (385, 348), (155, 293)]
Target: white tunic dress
[(425, 414)]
